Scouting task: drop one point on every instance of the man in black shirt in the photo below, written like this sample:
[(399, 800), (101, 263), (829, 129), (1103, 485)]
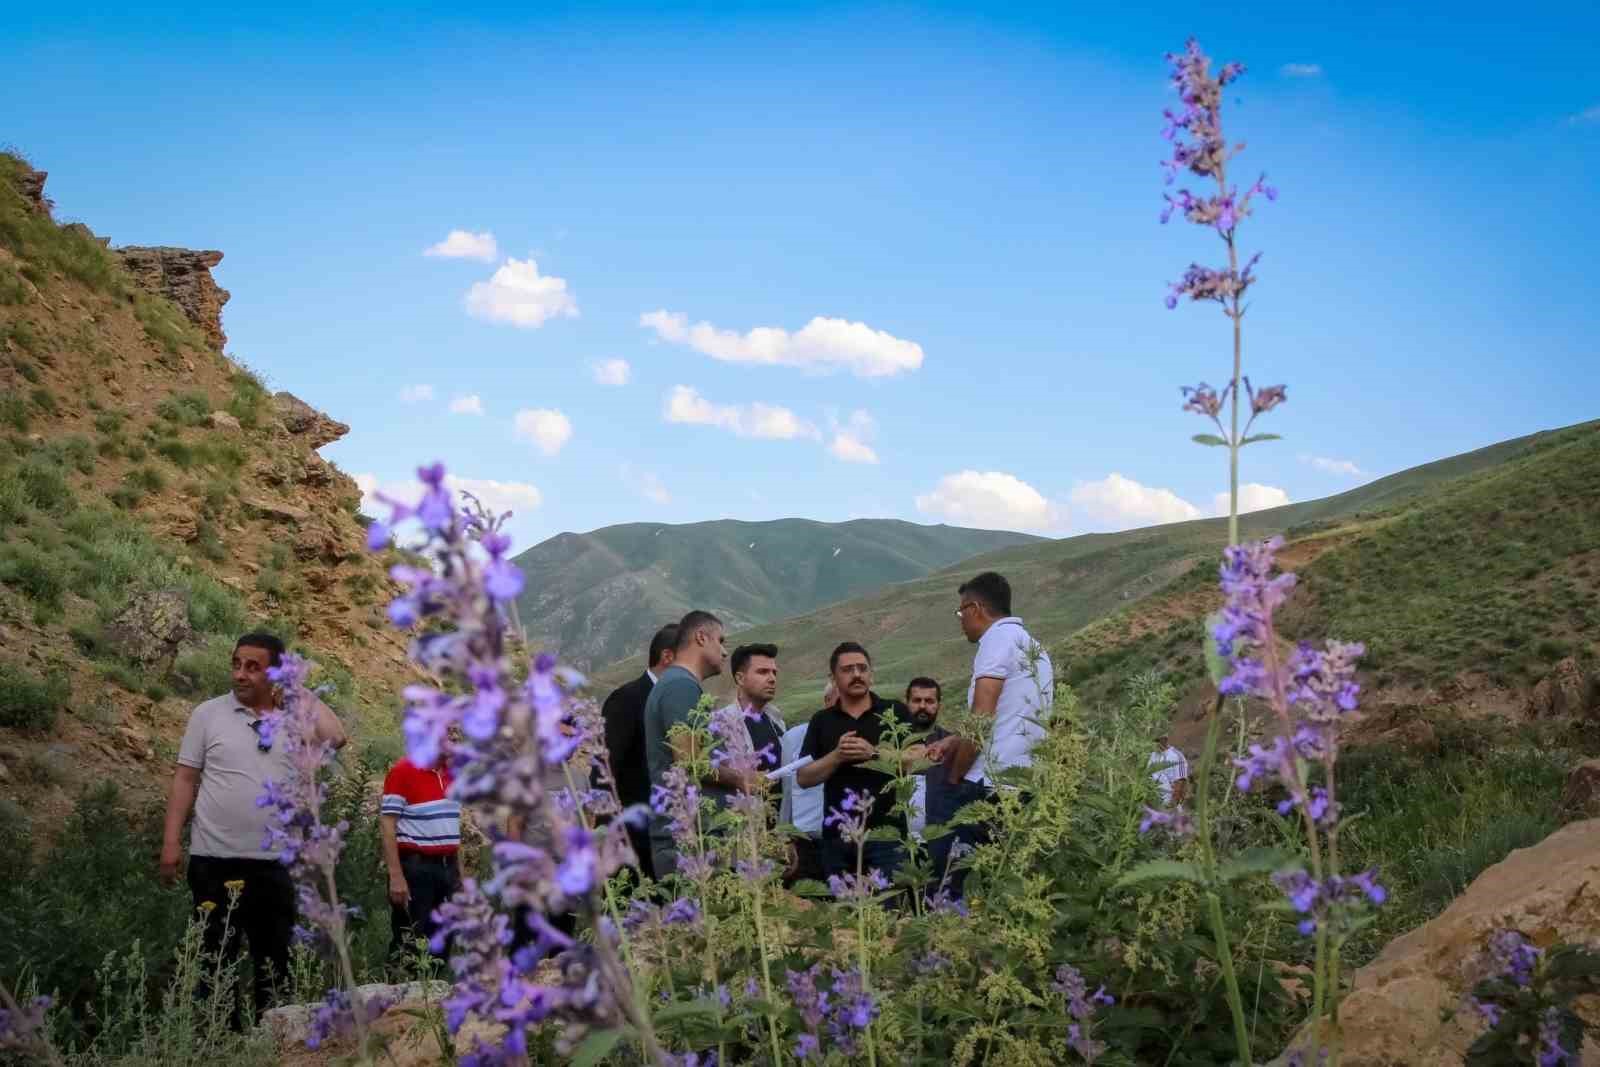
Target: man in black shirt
[(840, 740)]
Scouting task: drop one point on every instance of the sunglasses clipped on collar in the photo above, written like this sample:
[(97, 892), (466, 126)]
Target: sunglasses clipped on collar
[(263, 734)]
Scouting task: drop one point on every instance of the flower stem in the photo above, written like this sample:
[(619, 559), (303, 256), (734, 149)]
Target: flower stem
[(1219, 928), (861, 947)]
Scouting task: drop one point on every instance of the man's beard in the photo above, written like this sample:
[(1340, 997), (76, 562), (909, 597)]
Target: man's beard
[(923, 719)]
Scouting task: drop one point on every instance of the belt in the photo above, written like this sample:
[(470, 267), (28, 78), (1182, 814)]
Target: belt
[(442, 859)]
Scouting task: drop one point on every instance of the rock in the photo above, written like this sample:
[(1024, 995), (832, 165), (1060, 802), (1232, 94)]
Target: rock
[(185, 527), (83, 231), (289, 1024), (151, 628), (300, 418), (1398, 1012), (183, 276), (1582, 793), (1563, 692), (221, 420), (30, 183), (268, 509)]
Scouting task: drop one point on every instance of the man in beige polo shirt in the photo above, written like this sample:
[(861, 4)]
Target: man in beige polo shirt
[(223, 767)]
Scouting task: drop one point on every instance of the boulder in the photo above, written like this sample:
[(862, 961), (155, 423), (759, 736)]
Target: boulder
[(290, 1023), (1563, 693), (183, 276), (301, 419), (151, 628), (221, 420), (1399, 1012), (275, 510), (30, 183), (1582, 793)]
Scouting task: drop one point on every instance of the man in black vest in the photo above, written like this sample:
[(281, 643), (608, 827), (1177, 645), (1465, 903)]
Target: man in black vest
[(624, 717)]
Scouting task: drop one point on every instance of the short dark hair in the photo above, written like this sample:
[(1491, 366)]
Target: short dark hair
[(665, 638), (692, 624), (742, 654), (844, 647), (924, 683), (261, 639), (991, 590)]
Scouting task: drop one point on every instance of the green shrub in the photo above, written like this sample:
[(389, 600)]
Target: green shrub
[(38, 575), (125, 497), (27, 370), (44, 400), (45, 484), (14, 412), (23, 335), (206, 671), (135, 451), (77, 451), (42, 770), (249, 399), (28, 702), (186, 409), (12, 291), (109, 422), (181, 455), (13, 498), (165, 324), (146, 479)]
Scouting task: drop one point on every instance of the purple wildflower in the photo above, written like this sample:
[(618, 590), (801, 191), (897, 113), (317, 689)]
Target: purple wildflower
[(1513, 957), (851, 816), (336, 1016), (857, 888), (1081, 1006), (1551, 1052), (1488, 1009), (24, 1028), (1204, 400), (1176, 822)]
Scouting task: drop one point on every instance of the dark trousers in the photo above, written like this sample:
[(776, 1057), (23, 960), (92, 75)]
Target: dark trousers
[(264, 916), (808, 861), (639, 838), (432, 880), (839, 857), (943, 804)]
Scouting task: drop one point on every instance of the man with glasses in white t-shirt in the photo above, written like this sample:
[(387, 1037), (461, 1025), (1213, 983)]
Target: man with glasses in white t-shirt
[(1012, 683)]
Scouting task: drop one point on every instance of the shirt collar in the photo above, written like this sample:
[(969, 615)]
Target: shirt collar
[(651, 675)]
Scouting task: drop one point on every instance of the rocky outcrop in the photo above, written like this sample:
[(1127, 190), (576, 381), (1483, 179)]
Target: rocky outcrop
[(1582, 793), (151, 628), (1399, 1013), (303, 420), (183, 276), (30, 183), (1566, 692)]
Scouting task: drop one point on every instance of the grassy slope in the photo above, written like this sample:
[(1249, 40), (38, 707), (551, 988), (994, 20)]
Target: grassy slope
[(113, 483), (598, 596), (1141, 593)]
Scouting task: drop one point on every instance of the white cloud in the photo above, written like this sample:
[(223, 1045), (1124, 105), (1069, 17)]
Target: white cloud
[(1345, 467), (612, 372), (990, 499), (686, 405), (1253, 496), (1301, 70), (1122, 503), (467, 404), (850, 438), (549, 430), (1584, 117), (416, 394), (519, 295), (823, 344), (516, 497), (646, 484), (463, 245)]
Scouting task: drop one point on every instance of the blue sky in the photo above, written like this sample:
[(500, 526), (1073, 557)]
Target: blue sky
[(977, 193)]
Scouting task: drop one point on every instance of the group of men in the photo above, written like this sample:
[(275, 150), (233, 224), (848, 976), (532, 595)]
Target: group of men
[(808, 767), (820, 760)]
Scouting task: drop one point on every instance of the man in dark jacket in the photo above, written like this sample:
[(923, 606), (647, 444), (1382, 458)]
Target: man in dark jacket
[(624, 717)]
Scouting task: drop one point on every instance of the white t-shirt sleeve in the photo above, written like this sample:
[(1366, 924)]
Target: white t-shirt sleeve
[(996, 658), (192, 751)]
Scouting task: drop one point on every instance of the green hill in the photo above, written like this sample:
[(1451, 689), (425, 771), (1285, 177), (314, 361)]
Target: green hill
[(1487, 558), (597, 597)]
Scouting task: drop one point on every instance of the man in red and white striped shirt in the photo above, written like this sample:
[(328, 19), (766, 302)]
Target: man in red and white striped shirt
[(421, 830)]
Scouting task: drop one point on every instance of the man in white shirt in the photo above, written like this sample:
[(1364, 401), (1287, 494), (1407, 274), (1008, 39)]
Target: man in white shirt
[(1013, 683), (801, 808), (1170, 770)]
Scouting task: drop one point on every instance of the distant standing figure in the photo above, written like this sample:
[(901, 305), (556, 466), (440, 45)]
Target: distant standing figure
[(420, 828), (1012, 682), (623, 713), (1170, 769), (701, 650), (223, 766)]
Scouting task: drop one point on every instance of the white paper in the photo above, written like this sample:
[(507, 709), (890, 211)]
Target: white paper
[(787, 769)]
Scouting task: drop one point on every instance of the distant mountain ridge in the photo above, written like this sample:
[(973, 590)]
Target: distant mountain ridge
[(597, 597)]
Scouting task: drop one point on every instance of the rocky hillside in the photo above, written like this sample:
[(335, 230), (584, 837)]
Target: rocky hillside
[(597, 597), (1478, 571), (155, 500)]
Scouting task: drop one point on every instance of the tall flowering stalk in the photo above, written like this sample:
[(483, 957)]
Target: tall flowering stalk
[(859, 890), (514, 738), (1525, 996), (23, 1027), (1200, 148), (310, 849), (1313, 694)]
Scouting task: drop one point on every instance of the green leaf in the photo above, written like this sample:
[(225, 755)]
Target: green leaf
[(1216, 666), (1209, 439), (684, 1008), (1253, 438), (1161, 871), (594, 1048), (810, 887), (1572, 961), (1253, 861)]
